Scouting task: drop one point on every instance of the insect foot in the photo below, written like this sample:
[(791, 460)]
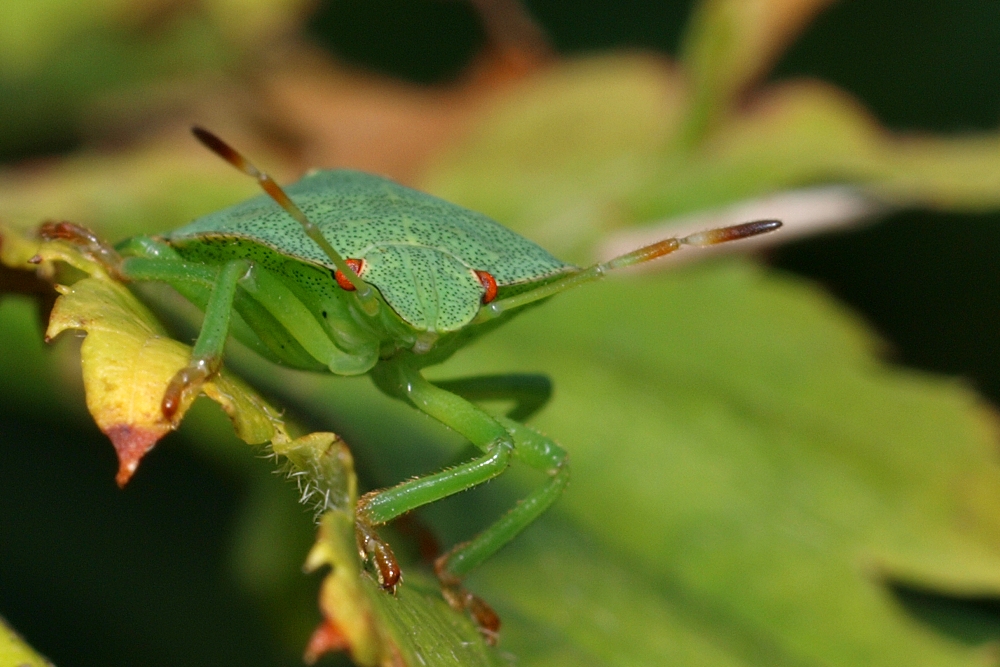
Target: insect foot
[(86, 241), (187, 383), (373, 549), (460, 599)]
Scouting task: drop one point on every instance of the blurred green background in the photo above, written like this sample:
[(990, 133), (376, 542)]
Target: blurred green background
[(96, 576)]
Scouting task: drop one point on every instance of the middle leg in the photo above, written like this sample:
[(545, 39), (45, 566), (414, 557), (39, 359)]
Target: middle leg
[(482, 430), (502, 439)]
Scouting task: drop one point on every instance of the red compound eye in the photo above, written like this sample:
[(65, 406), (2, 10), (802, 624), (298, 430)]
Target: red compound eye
[(356, 265), (489, 284)]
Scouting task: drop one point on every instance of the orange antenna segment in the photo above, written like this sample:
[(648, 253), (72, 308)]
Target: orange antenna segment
[(644, 254)]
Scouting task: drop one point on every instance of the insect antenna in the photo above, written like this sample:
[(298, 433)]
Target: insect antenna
[(644, 254), (363, 291)]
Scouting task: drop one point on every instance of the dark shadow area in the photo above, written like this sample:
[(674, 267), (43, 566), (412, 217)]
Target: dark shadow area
[(922, 66), (95, 575), (431, 41), (597, 25), (928, 282), (970, 620), (419, 40)]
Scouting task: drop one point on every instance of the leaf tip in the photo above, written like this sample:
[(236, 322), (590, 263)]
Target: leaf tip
[(131, 444), (327, 638)]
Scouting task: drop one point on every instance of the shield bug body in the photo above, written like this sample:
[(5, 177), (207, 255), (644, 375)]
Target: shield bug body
[(351, 273)]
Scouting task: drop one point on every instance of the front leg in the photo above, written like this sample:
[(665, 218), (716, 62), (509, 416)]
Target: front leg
[(206, 357), (484, 431), (164, 264)]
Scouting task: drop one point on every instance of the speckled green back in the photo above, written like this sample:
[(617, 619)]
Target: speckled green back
[(418, 250)]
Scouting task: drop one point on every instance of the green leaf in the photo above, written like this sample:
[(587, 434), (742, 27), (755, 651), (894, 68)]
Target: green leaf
[(748, 474), (807, 132), (426, 631)]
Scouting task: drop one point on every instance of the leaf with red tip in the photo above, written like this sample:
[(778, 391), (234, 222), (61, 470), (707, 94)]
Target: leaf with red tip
[(131, 444), (128, 359)]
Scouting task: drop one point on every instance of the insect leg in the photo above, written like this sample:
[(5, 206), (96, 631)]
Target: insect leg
[(142, 269), (379, 507), (206, 358), (278, 318), (495, 436), (383, 506), (529, 391), (252, 324), (281, 327), (454, 411), (540, 453)]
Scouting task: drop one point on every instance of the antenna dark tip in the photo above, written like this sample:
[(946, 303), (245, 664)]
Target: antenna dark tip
[(221, 148), (731, 233), (758, 227)]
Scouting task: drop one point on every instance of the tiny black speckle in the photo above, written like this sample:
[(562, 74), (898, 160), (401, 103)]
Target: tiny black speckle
[(324, 314)]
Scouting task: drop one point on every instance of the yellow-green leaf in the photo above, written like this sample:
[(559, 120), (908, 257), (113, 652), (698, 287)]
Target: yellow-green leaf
[(127, 359), (753, 472), (748, 483), (16, 652)]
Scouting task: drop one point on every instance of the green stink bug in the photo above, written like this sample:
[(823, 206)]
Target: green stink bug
[(351, 273)]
